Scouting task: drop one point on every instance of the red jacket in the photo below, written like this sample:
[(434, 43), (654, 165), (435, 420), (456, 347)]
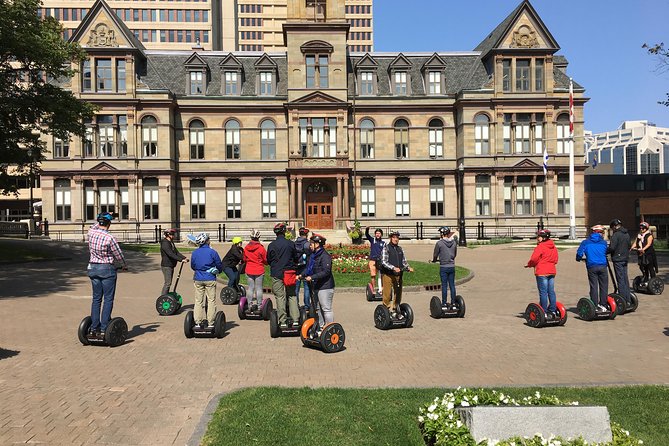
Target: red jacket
[(255, 257), (544, 258)]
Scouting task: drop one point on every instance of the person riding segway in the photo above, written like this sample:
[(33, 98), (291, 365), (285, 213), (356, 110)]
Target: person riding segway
[(233, 259), (169, 302), (303, 253), (599, 305), (445, 251), (376, 245), (281, 256), (648, 282), (393, 265)]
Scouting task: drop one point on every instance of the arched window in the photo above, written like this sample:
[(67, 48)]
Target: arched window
[(563, 133), (196, 132), (401, 139), (232, 140), (366, 139), (436, 137), (149, 136), (267, 140), (482, 134)]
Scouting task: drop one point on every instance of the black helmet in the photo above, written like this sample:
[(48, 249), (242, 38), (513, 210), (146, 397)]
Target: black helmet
[(304, 231), (545, 233), (393, 233), (444, 230), (280, 228), (317, 238), (378, 230), (105, 218), (615, 222)]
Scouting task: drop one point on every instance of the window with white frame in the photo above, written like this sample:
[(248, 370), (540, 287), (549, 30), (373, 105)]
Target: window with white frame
[(150, 186), (86, 76), (196, 83), (232, 140), (120, 75), (563, 133), (122, 135), (105, 135), (506, 75), (89, 200), (234, 198), (318, 137), (196, 138), (368, 197), (61, 147), (268, 187), (401, 139), (366, 83), (198, 199), (482, 194), (436, 138), (63, 200), (125, 199), (437, 197), (107, 200), (522, 134), (317, 70), (400, 83), (522, 74), (508, 195), (366, 139), (402, 208), (103, 74), (523, 196), (331, 136), (267, 140), (506, 133), (538, 75), (482, 134), (538, 133), (231, 83), (563, 193), (149, 126), (539, 196), (434, 82), (266, 83)]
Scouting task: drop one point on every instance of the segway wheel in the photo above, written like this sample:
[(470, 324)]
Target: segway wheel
[(332, 338), (634, 303), (274, 329), (563, 313), (586, 309), (636, 283), (266, 309), (229, 296), (84, 327), (370, 293), (407, 311), (189, 324), (166, 305), (621, 305), (241, 308), (655, 286), (219, 325), (117, 332), (613, 307), (462, 308), (242, 291), (534, 315), (382, 317), (307, 326), (435, 307)]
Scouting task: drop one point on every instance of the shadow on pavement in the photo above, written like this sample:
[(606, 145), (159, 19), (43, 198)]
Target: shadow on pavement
[(4, 353), (666, 331), (141, 329)]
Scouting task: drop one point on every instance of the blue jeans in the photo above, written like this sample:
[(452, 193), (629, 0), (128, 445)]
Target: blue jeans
[(598, 276), (103, 279), (447, 281), (623, 280), (233, 277), (546, 286), (307, 292)]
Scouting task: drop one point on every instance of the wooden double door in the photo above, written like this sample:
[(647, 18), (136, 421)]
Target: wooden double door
[(318, 206)]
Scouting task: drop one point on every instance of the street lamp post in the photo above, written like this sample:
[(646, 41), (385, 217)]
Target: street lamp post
[(462, 226), (31, 209)]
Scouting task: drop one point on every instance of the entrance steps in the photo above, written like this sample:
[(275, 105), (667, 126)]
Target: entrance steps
[(334, 236)]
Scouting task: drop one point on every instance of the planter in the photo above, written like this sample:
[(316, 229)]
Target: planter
[(357, 241)]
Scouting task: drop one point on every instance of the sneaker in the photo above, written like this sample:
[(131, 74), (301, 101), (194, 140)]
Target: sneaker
[(550, 316), (400, 316), (601, 309), (296, 323), (393, 314), (283, 325)]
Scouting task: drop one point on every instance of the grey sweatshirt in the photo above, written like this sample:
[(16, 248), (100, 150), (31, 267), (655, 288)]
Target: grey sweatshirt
[(445, 251)]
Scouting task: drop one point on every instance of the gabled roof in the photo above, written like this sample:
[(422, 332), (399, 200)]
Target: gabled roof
[(93, 13), (434, 62), (495, 38), (317, 45), (317, 97), (265, 61), (526, 164), (195, 61), (230, 61), (366, 61), (400, 62)]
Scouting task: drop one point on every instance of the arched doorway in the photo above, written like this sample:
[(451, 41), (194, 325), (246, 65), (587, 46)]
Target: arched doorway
[(319, 206)]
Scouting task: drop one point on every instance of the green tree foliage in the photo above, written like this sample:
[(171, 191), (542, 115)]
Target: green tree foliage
[(663, 55), (33, 56)]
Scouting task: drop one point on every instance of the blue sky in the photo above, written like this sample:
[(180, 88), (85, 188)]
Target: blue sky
[(601, 39)]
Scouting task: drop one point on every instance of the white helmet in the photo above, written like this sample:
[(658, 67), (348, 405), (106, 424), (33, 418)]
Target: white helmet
[(201, 238), (255, 234)]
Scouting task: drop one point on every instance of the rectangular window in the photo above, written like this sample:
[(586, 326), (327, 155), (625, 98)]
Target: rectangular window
[(63, 200), (506, 75), (402, 197), (196, 143), (368, 197), (522, 134), (196, 83), (436, 137), (401, 143), (150, 140), (331, 135), (232, 137), (436, 197), (482, 194), (61, 148), (630, 160), (266, 83), (197, 199), (367, 143), (122, 135), (88, 141), (508, 189), (538, 137), (318, 137), (90, 201), (522, 75), (107, 200), (506, 133), (120, 74), (151, 198), (105, 135), (366, 83), (125, 201), (103, 74), (268, 187), (562, 137), (650, 163), (539, 75), (640, 184), (86, 80), (231, 82), (400, 83), (539, 196), (434, 82), (304, 136), (523, 198), (268, 143), (310, 62), (234, 196), (563, 194)]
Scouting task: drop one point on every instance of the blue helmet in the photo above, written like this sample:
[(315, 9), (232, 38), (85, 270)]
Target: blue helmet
[(105, 218)]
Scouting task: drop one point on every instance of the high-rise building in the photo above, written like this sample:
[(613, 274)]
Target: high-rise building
[(228, 25)]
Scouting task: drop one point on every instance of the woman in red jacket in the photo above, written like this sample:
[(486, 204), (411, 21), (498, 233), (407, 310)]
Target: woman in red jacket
[(543, 260), (255, 258)]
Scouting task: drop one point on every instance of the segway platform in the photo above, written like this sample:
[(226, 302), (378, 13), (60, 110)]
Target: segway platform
[(257, 312), (275, 330), (654, 285), (536, 316), (384, 320), (217, 331), (231, 296), (373, 296), (170, 303), (330, 339), (115, 335), (438, 311), (622, 306), (587, 309)]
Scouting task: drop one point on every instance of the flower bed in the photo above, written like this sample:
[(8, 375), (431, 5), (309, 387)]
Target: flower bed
[(349, 258), (440, 424)]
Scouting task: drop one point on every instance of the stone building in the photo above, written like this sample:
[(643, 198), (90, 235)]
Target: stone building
[(318, 135)]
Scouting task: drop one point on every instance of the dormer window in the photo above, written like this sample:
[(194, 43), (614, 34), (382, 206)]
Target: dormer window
[(400, 87), (400, 79), (523, 75), (366, 69), (196, 83), (434, 82), (197, 75), (366, 83), (266, 70), (231, 83), (266, 83)]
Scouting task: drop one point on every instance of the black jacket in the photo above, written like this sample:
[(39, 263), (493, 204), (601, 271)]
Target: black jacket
[(619, 247), (322, 278), (281, 256), (169, 256), (233, 257)]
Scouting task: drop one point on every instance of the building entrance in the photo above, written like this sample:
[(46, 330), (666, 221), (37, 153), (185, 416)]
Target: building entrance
[(319, 206)]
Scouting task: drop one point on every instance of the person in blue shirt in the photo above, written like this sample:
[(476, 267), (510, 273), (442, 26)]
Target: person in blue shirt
[(206, 263), (594, 249), (376, 245)]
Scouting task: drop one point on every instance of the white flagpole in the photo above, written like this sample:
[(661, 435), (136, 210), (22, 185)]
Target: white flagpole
[(572, 209)]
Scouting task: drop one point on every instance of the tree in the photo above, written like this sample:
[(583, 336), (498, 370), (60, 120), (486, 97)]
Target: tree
[(34, 59), (663, 55)]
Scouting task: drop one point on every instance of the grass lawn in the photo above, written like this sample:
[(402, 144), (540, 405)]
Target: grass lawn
[(24, 252), (277, 416)]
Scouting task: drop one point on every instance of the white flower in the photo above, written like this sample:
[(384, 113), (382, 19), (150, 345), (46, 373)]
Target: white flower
[(505, 401), (450, 406), (421, 419), (464, 404), (537, 394), (458, 423), (640, 441), (476, 398), (431, 408)]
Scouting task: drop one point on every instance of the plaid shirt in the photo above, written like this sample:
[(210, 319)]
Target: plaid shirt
[(103, 247)]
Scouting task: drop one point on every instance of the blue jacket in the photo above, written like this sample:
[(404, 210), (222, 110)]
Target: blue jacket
[(319, 268), (281, 256), (594, 250), (375, 246), (202, 259)]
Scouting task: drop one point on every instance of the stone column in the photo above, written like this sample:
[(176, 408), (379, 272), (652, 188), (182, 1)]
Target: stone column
[(338, 207), (291, 198), (347, 207), (300, 199)]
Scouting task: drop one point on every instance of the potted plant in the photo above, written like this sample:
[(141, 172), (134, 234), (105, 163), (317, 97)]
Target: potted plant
[(355, 232)]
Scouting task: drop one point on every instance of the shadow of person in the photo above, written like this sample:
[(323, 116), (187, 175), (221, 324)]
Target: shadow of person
[(4, 353), (186, 308), (666, 331), (141, 329)]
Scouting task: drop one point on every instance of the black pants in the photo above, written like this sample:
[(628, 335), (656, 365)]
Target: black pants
[(620, 269), (599, 284)]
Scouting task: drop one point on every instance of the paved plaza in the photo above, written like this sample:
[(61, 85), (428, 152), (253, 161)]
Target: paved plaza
[(155, 388)]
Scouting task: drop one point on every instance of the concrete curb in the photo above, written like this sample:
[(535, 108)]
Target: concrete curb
[(201, 428)]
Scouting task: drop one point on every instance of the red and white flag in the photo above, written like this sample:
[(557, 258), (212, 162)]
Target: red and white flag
[(571, 108)]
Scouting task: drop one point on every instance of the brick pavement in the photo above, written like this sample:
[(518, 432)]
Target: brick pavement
[(154, 389)]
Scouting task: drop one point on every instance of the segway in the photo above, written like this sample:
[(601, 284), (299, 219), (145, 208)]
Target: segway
[(654, 285), (621, 303), (438, 311), (230, 295), (275, 330), (536, 316), (329, 338), (170, 303), (587, 309), (204, 330), (384, 320), (115, 335), (257, 312), (375, 295)]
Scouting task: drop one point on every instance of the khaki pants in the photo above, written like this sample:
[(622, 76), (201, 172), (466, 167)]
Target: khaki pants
[(205, 288), (393, 283), (282, 292)]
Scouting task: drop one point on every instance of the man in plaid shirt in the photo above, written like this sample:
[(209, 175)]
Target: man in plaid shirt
[(104, 251)]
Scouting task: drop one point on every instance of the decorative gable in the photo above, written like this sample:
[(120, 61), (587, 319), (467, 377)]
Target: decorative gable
[(103, 167), (317, 97), (527, 164), (230, 62), (435, 61), (400, 63), (265, 62), (195, 61), (366, 61), (317, 46)]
